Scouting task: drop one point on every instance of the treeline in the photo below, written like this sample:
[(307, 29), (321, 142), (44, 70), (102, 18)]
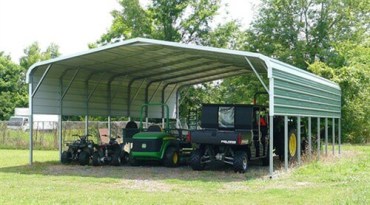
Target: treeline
[(329, 38)]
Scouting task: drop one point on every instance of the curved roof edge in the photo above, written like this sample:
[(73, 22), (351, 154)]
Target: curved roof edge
[(264, 58), (144, 41)]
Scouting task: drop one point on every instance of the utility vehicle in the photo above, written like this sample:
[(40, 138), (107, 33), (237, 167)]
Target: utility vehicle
[(236, 134), (157, 143)]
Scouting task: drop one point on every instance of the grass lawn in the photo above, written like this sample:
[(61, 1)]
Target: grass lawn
[(332, 180)]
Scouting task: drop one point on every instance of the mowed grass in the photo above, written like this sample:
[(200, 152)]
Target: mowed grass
[(332, 180)]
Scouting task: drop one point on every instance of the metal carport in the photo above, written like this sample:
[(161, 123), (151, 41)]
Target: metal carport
[(114, 80)]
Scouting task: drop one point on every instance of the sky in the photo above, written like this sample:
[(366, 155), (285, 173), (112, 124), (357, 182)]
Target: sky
[(73, 24)]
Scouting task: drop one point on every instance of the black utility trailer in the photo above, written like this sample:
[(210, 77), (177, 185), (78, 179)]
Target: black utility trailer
[(230, 133)]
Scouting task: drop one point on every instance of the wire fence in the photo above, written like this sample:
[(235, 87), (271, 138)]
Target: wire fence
[(18, 138)]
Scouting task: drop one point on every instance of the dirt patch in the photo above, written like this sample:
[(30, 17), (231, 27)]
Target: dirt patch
[(145, 185)]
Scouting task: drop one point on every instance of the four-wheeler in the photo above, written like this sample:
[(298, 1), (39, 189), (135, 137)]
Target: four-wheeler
[(109, 153), (166, 145), (79, 150)]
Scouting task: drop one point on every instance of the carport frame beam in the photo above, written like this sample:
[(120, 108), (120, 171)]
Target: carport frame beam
[(258, 76), (33, 92)]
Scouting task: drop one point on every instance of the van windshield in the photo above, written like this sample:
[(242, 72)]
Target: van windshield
[(15, 121)]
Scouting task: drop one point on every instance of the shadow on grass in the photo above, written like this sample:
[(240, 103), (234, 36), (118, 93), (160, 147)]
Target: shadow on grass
[(217, 172)]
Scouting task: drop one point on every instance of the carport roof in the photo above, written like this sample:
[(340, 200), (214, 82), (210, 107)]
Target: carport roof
[(157, 60), (117, 79)]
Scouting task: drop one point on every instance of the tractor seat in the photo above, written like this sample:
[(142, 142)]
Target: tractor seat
[(154, 128)]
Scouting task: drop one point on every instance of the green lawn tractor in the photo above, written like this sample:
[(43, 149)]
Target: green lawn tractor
[(155, 143)]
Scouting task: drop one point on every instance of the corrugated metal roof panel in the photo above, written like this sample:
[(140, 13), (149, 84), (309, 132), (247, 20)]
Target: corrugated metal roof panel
[(120, 77)]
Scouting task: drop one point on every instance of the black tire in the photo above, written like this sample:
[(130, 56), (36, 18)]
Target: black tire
[(195, 160), (133, 162), (125, 158), (116, 160), (66, 157), (171, 157), (84, 158), (240, 161), (265, 161), (95, 159)]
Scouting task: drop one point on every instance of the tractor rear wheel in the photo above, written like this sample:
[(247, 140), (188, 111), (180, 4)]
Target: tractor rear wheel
[(240, 161), (195, 160), (66, 157), (292, 145), (84, 158), (171, 157)]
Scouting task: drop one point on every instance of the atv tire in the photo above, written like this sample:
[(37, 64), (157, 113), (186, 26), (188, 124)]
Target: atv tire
[(125, 158), (66, 157), (195, 160), (116, 160), (95, 159), (83, 158), (240, 162)]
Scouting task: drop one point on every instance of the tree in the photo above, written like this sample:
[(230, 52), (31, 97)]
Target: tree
[(354, 80), (13, 88), (300, 32), (33, 54), (12, 84), (171, 20)]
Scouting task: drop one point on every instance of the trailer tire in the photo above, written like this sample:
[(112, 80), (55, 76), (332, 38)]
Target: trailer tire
[(240, 161), (195, 160), (171, 157), (66, 157), (84, 158)]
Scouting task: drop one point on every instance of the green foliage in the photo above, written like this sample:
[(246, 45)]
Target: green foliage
[(171, 20), (354, 80), (13, 90), (301, 32), (33, 54)]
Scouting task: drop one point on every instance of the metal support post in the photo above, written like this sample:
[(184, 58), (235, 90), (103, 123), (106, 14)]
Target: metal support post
[(318, 138), (31, 120), (299, 139), (60, 120), (326, 136), (86, 124), (333, 135), (339, 135), (271, 145), (109, 127), (286, 142), (309, 137)]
